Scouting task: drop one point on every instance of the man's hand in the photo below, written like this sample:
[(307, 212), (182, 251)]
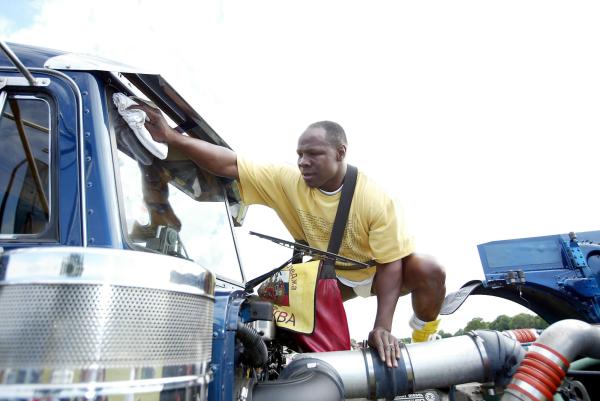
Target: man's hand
[(156, 124), (386, 345)]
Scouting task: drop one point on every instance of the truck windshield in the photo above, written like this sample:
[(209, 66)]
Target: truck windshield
[(173, 207)]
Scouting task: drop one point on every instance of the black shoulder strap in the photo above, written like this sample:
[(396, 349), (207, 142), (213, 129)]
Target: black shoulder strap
[(341, 216)]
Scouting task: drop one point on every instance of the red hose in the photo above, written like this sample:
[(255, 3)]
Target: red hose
[(540, 372), (523, 335)]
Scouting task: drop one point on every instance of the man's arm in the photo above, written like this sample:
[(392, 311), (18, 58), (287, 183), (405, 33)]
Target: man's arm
[(387, 285), (421, 276), (218, 160)]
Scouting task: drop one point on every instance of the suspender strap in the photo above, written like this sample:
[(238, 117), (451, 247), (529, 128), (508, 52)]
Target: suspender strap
[(341, 218)]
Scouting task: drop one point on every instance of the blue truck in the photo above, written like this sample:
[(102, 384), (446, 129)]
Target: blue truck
[(120, 277)]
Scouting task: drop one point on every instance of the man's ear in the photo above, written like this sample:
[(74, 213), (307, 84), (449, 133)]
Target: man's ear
[(341, 153)]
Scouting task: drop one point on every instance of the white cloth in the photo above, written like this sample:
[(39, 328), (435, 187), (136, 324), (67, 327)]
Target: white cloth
[(136, 118), (361, 288)]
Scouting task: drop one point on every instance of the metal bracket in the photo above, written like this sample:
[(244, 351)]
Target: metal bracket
[(515, 277), (22, 81), (510, 277), (574, 255), (2, 99)]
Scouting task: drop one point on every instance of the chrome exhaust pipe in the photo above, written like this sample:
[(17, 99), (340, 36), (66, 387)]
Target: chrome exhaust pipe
[(548, 360), (479, 356)]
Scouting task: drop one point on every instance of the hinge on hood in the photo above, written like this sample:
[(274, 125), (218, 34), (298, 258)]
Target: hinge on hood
[(511, 277), (575, 258)]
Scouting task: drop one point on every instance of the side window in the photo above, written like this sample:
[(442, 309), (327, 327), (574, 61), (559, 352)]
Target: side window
[(172, 206), (24, 165)]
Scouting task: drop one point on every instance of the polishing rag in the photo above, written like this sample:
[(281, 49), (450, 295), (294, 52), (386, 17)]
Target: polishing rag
[(136, 118)]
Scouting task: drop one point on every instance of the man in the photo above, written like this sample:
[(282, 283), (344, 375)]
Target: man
[(306, 200)]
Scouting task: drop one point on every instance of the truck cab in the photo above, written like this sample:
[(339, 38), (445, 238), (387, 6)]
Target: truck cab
[(91, 219), (120, 277)]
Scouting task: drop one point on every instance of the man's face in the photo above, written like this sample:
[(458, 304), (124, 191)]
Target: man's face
[(318, 160)]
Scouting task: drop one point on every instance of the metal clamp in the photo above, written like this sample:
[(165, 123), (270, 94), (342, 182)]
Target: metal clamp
[(368, 357), (484, 356), (410, 374)]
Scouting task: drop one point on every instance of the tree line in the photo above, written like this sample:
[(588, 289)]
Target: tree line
[(501, 323)]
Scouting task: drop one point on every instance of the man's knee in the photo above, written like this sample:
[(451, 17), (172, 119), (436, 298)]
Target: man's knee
[(422, 271)]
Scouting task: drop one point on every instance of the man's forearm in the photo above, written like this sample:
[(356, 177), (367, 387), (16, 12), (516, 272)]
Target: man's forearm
[(216, 159), (387, 286)]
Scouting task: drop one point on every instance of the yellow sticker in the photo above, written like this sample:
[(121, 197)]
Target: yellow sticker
[(292, 291)]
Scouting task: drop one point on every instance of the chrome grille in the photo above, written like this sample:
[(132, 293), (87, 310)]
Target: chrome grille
[(102, 326)]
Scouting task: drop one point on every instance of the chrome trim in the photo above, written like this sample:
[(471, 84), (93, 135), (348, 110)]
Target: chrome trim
[(235, 244), (54, 378), (3, 96), (101, 266), (81, 134), (410, 374), (372, 388), (118, 389), (87, 62), (17, 63), (127, 84), (21, 81), (81, 144)]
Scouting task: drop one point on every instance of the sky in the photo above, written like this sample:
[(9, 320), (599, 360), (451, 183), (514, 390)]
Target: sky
[(480, 117)]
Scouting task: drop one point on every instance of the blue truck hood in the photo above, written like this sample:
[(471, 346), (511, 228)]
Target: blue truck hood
[(556, 276)]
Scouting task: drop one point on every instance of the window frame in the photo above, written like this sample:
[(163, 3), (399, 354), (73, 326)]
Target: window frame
[(50, 233)]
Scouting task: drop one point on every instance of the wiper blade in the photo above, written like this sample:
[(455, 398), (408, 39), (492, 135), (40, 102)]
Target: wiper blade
[(314, 252)]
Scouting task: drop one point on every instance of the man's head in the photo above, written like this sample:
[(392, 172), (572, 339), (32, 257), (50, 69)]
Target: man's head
[(321, 153)]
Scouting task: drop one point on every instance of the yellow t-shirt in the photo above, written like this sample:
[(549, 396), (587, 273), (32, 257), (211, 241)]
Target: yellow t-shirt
[(373, 231)]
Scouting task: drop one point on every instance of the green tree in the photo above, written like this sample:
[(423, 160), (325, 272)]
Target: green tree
[(459, 332), (527, 321), (539, 323), (476, 323), (501, 323), (522, 321), (443, 334)]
